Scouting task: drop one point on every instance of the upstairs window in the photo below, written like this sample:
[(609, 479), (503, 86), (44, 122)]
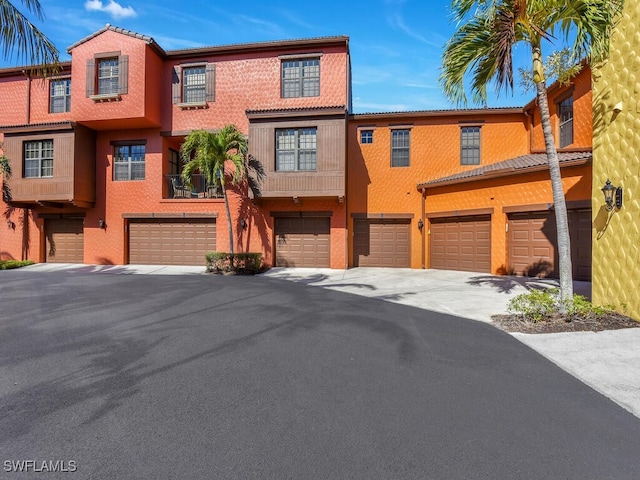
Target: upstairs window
[(38, 159), (193, 85), (470, 146), (296, 149), (400, 148), (366, 136), (60, 95), (565, 112), (128, 162), (301, 78), (107, 76)]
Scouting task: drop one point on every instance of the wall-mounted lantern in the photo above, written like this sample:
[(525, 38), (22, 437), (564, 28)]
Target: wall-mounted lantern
[(243, 223), (612, 196), (420, 224), (11, 225), (102, 224)]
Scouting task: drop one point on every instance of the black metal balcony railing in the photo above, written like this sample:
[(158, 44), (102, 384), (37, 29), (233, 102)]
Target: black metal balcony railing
[(198, 188)]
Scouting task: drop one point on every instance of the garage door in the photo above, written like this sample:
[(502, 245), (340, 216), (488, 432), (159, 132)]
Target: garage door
[(64, 240), (461, 243), (532, 244), (382, 243), (302, 242), (156, 242)]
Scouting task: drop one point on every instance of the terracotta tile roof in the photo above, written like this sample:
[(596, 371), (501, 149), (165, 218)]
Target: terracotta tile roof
[(123, 31), (513, 166), (264, 45), (440, 112), (297, 109), (38, 126)]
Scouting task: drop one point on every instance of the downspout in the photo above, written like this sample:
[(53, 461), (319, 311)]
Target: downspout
[(28, 75), (423, 195), (530, 117)]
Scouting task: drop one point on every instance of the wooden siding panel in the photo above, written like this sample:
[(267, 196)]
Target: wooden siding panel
[(327, 180), (58, 188)]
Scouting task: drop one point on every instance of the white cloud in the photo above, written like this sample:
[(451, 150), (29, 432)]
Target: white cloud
[(114, 9)]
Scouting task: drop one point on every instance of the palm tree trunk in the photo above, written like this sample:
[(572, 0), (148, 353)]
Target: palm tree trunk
[(560, 206), (226, 206)]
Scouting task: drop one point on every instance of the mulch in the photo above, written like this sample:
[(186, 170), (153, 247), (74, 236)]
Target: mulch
[(564, 323)]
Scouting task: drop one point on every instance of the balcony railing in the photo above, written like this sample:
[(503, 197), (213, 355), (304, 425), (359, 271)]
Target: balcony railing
[(198, 188)]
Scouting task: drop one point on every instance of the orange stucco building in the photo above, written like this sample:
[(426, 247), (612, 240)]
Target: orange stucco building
[(96, 171), (483, 200)]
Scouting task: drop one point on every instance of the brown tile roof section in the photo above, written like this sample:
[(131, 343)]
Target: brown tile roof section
[(123, 31), (35, 127), (437, 113), (513, 166), (199, 51)]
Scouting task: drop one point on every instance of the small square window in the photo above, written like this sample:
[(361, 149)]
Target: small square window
[(129, 162), (366, 136)]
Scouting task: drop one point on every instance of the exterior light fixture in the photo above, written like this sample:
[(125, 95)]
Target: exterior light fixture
[(420, 224), (612, 196), (243, 223), (11, 225), (102, 224)]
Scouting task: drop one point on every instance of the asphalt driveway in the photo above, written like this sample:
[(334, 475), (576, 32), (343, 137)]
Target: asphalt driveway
[(200, 376)]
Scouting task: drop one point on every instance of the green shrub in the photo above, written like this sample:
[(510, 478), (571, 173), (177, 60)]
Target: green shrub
[(535, 305), (10, 264), (243, 263)]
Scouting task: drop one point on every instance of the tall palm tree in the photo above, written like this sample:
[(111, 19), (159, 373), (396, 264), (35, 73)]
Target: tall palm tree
[(21, 39), (482, 49), (210, 153)]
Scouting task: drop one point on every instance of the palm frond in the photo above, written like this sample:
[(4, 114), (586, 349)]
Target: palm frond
[(20, 39)]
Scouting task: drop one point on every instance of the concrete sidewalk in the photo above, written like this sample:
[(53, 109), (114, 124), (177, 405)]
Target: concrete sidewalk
[(607, 361)]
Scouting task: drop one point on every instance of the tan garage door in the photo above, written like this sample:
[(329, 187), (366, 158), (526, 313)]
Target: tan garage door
[(157, 242), (461, 243), (382, 243), (532, 244), (64, 240), (303, 242)]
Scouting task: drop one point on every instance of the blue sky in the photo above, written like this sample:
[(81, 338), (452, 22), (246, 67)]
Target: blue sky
[(396, 45)]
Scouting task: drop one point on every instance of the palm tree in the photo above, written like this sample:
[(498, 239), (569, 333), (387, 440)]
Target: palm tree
[(21, 39), (482, 48), (209, 153), (5, 172)]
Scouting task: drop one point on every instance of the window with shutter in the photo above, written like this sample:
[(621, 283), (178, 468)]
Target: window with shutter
[(193, 85), (107, 76)]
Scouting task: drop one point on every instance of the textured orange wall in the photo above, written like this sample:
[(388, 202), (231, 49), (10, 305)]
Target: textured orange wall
[(530, 189), (376, 187), (133, 103), (253, 82), (582, 113), (13, 107)]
